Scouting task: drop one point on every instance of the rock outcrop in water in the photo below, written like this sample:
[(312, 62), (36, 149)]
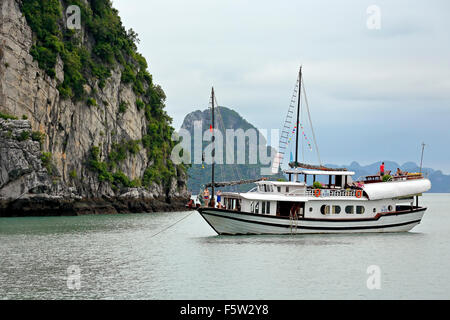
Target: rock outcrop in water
[(200, 175), (96, 136)]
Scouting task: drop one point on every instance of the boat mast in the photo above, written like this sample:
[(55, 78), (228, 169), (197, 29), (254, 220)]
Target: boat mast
[(421, 158), (298, 114), (212, 139)]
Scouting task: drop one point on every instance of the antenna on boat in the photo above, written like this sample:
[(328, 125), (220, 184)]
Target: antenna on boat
[(421, 158)]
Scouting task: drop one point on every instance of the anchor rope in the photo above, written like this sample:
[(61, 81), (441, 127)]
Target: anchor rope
[(172, 225)]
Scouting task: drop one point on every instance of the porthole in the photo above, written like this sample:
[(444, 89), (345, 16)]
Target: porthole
[(310, 209), (349, 209), (325, 209), (374, 210), (390, 208), (336, 209), (360, 209)]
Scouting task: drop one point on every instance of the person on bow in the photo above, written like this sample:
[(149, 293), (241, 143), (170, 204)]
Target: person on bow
[(382, 169)]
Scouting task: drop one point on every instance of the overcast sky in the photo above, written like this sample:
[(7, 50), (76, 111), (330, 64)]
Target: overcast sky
[(374, 94)]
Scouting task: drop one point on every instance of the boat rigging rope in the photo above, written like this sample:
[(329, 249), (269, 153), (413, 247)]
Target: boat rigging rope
[(234, 168), (171, 225), (310, 122)]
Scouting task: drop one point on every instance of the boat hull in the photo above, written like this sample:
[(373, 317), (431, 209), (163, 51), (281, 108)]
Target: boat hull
[(226, 222)]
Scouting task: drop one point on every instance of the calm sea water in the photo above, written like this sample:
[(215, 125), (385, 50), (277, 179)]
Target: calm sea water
[(119, 258)]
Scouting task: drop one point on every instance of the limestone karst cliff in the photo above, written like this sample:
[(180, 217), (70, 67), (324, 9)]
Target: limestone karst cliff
[(89, 105)]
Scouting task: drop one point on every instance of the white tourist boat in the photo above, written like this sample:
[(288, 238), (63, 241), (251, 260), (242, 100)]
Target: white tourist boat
[(338, 205)]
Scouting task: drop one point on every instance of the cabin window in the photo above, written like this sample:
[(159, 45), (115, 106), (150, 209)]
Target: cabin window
[(265, 206), (390, 208), (336, 209), (279, 189), (252, 206), (270, 188), (325, 209), (256, 207), (360, 209), (349, 209), (287, 189)]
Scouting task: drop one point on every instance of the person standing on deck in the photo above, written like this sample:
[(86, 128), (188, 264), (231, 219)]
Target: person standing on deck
[(206, 197), (219, 199), (382, 169)]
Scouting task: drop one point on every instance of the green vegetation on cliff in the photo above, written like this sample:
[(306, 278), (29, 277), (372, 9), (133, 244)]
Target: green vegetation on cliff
[(113, 46), (89, 57)]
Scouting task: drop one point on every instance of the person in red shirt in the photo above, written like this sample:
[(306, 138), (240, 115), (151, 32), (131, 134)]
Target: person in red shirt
[(382, 169)]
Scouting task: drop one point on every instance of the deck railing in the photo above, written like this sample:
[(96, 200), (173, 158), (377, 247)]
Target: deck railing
[(324, 193)]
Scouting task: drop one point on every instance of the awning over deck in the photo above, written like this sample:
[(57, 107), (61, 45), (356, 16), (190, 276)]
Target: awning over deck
[(320, 172), (396, 189)]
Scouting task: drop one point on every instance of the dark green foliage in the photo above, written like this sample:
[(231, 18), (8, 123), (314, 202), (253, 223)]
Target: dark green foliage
[(139, 104), (5, 116), (147, 141), (121, 179), (46, 159), (24, 135), (119, 151), (73, 174), (100, 167), (38, 136), (133, 146), (112, 45), (105, 170), (128, 75), (317, 185), (159, 173), (91, 102), (123, 106)]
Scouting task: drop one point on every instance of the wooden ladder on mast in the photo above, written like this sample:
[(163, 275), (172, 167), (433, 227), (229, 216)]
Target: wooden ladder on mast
[(287, 126)]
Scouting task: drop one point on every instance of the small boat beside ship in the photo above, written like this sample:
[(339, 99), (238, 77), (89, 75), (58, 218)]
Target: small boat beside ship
[(337, 204)]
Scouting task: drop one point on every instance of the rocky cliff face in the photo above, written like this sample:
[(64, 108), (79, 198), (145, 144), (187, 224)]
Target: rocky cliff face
[(21, 169), (70, 128)]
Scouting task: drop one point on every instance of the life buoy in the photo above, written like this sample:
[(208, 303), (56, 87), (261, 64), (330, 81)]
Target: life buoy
[(358, 193), (317, 192)]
